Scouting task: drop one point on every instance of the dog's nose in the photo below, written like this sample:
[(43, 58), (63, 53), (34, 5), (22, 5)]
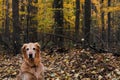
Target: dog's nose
[(30, 56)]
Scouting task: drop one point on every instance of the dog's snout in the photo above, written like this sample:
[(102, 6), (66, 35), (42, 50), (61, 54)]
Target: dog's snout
[(30, 56)]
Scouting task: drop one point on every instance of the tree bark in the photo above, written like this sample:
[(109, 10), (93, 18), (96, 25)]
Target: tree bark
[(32, 24), (23, 19), (16, 26), (3, 14), (58, 25), (103, 25), (109, 23), (77, 20), (87, 22), (103, 29), (7, 32)]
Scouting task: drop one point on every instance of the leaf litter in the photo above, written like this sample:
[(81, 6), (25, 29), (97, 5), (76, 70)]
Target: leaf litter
[(75, 65)]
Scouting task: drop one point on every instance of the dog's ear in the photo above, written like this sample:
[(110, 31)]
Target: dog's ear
[(23, 48), (37, 45)]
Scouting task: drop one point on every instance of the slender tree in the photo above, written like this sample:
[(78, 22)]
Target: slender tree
[(31, 22), (16, 26), (77, 19), (58, 25), (3, 14), (103, 24), (23, 19), (87, 22), (109, 23), (7, 33)]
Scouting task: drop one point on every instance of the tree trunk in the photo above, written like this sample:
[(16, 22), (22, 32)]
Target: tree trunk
[(7, 32), (87, 22), (23, 19), (58, 25), (31, 23), (3, 14), (103, 29), (109, 23), (77, 20), (16, 26), (28, 23)]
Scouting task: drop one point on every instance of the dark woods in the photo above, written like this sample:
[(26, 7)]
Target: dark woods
[(86, 31)]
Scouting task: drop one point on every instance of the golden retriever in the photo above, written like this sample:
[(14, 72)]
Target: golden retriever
[(31, 68)]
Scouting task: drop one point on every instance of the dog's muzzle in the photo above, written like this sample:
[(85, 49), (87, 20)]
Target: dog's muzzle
[(30, 56)]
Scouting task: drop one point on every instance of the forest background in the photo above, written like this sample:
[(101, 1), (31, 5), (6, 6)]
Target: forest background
[(58, 23)]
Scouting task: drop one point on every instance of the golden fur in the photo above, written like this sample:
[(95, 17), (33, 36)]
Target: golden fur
[(31, 69)]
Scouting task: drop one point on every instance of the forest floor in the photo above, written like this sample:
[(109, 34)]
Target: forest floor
[(75, 65)]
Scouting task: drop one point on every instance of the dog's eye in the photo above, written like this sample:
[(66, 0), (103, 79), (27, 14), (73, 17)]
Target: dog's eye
[(33, 48), (27, 49)]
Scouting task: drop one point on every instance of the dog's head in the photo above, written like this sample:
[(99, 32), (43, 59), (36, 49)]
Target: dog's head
[(31, 53)]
